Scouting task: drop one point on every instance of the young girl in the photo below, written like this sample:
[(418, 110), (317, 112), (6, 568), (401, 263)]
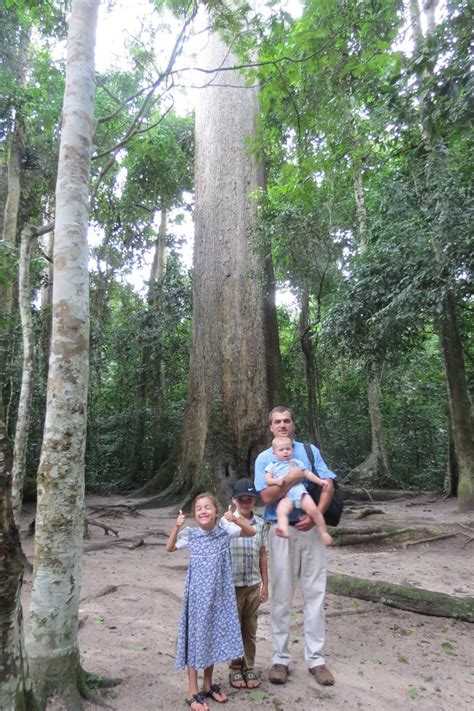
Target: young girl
[(209, 629)]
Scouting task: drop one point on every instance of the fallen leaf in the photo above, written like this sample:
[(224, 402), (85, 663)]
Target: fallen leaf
[(258, 696)]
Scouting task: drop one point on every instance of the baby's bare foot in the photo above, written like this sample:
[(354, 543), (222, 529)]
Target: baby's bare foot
[(327, 539), (282, 532)]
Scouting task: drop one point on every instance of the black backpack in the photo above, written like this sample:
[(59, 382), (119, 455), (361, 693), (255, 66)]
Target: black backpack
[(333, 515)]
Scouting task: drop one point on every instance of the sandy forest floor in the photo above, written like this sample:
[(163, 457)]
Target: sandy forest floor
[(383, 659)]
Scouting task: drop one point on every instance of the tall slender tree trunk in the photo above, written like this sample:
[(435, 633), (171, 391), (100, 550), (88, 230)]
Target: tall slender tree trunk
[(15, 152), (229, 390), (459, 402), (52, 640), (15, 686), (376, 467), (26, 392), (460, 405), (157, 275), (151, 377), (46, 303), (308, 349)]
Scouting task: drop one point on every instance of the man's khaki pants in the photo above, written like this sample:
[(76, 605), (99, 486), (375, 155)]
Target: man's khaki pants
[(301, 558)]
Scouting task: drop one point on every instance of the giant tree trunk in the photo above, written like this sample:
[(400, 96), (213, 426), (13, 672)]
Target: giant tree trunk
[(52, 640), (230, 369), (15, 687)]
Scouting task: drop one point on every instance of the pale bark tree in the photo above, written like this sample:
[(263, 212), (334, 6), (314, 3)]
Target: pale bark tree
[(26, 392), (460, 406), (234, 363), (28, 235), (52, 638), (46, 302)]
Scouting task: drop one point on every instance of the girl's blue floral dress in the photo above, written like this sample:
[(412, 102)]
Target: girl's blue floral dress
[(209, 629)]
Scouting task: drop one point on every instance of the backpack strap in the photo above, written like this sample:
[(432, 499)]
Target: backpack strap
[(310, 455)]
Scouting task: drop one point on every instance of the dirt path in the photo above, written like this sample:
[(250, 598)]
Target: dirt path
[(383, 659)]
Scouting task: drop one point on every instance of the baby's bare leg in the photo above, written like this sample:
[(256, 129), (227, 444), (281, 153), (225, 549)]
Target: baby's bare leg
[(283, 511), (309, 507)]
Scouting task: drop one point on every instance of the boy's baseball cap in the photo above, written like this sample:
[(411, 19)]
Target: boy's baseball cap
[(244, 487)]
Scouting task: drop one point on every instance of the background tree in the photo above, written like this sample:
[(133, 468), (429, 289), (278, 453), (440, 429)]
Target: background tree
[(232, 369), (52, 639), (437, 136)]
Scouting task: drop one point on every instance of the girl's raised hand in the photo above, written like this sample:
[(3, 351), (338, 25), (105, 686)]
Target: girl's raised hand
[(180, 520), (229, 516)]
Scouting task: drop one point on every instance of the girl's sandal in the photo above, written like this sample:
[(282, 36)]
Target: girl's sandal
[(253, 678), (215, 691), (200, 699)]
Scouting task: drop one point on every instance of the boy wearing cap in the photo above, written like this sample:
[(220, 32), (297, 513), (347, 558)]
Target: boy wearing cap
[(250, 572)]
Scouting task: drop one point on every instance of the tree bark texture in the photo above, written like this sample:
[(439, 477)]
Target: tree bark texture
[(15, 686), (232, 369), (52, 639), (26, 392), (459, 402), (451, 480)]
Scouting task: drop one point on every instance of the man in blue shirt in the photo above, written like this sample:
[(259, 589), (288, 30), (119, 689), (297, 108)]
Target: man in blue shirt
[(301, 558)]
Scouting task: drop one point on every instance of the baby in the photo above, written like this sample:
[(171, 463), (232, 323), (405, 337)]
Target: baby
[(297, 496)]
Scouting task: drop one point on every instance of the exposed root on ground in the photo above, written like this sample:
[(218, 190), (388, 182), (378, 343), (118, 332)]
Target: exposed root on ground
[(403, 597)]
